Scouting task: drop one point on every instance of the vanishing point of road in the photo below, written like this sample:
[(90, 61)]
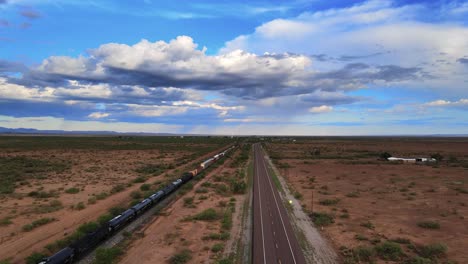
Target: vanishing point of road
[(273, 237)]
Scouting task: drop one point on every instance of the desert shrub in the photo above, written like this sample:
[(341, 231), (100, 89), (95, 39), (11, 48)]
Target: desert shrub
[(135, 194), (364, 253), (92, 200), (139, 180), (344, 216), (5, 221), (117, 188), (368, 225), (429, 224), (400, 240), (419, 260), (201, 190), (38, 223), (188, 201), (102, 219), (107, 255), (53, 206), (101, 196), (226, 222), (360, 237), (181, 257), (209, 214), (42, 194), (238, 187), (389, 251), (80, 206), (228, 260), (145, 187), (329, 201), (432, 251), (34, 258), (322, 219), (297, 195), (72, 190), (116, 210), (217, 247), (206, 184)]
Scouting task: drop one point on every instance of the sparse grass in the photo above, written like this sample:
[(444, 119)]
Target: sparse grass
[(328, 202), (53, 206), (117, 188), (37, 223), (217, 247), (432, 251), (322, 219), (72, 190), (400, 240), (42, 194), (107, 255), (363, 254), (360, 237), (145, 187), (188, 202), (201, 190), (80, 206), (5, 221), (209, 214), (92, 200), (34, 258), (181, 257), (14, 169), (101, 196), (226, 222), (216, 236), (429, 224), (389, 251), (136, 195)]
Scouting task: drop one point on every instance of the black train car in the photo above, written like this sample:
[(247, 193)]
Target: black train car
[(64, 256), (121, 219), (90, 240)]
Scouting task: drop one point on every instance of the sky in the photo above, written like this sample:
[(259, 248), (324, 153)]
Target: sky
[(256, 67)]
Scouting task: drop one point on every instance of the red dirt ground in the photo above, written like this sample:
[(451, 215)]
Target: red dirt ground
[(394, 198), (92, 171)]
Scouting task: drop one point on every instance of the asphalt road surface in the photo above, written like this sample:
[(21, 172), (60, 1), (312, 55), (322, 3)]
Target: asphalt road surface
[(274, 240)]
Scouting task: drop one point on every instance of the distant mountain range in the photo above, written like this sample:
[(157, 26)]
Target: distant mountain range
[(32, 131), (4, 130)]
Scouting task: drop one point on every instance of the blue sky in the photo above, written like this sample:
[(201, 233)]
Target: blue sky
[(235, 67)]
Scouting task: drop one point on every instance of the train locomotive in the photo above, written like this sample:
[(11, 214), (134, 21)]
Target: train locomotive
[(80, 247)]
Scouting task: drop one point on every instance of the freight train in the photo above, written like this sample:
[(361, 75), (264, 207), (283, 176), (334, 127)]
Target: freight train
[(80, 247)]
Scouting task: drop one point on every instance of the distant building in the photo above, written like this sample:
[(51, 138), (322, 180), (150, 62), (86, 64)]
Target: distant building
[(412, 160)]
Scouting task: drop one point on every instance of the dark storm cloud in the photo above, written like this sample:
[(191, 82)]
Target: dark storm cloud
[(9, 66), (463, 61), (179, 64)]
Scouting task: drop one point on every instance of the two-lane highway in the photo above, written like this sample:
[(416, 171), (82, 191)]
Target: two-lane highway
[(273, 237)]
